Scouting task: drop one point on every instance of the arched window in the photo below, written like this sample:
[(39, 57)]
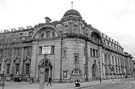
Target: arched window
[(47, 34), (53, 34), (42, 35), (95, 37), (46, 63)]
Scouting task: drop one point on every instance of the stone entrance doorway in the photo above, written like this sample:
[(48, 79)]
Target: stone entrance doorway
[(94, 71), (45, 63)]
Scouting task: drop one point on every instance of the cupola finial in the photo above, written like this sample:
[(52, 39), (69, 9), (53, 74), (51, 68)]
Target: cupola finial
[(71, 5)]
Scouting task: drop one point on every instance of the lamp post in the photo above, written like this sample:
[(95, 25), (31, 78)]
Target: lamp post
[(61, 42), (3, 78)]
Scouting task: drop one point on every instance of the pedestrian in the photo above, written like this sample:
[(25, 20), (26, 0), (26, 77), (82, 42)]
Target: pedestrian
[(126, 76), (77, 83), (49, 81), (100, 80)]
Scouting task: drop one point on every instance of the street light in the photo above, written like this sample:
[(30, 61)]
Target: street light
[(61, 41), (3, 79)]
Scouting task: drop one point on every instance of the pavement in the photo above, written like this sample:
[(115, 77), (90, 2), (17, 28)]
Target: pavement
[(27, 85)]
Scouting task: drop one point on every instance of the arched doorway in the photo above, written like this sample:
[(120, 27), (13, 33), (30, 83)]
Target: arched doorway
[(46, 64), (94, 71)]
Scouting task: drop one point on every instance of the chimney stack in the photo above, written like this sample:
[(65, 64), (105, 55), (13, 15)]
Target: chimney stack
[(47, 20)]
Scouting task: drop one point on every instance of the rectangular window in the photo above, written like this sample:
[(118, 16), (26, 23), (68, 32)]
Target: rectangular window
[(52, 49), (97, 55), (30, 33), (76, 58), (94, 53), (65, 74), (27, 66), (17, 66), (40, 50), (91, 53), (105, 58), (18, 52), (112, 60), (8, 68), (27, 51), (108, 43), (64, 53)]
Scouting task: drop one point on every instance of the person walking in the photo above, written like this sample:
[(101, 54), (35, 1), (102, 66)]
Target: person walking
[(100, 80), (49, 81), (77, 83)]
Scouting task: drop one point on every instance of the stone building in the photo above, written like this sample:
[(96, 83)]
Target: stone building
[(78, 51)]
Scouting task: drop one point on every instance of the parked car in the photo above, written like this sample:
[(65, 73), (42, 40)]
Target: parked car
[(17, 78)]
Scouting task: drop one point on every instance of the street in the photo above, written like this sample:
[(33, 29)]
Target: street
[(106, 84), (122, 84)]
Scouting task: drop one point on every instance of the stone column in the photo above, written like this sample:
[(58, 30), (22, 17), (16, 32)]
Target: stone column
[(21, 63), (34, 62), (100, 61)]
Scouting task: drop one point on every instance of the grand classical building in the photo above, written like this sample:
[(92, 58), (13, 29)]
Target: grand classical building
[(78, 50)]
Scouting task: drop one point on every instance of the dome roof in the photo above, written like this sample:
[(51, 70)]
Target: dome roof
[(72, 12)]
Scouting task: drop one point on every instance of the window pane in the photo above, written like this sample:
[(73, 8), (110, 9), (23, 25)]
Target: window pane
[(40, 50), (52, 49), (8, 68), (17, 68), (27, 66), (76, 58), (47, 34), (53, 34), (42, 35), (91, 52), (64, 74)]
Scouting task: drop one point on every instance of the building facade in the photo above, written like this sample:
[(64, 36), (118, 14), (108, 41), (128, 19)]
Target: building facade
[(78, 51)]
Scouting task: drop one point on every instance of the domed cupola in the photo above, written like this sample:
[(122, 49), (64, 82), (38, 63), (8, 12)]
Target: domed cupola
[(72, 12)]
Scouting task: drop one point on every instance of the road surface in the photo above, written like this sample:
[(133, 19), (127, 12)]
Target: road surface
[(122, 84)]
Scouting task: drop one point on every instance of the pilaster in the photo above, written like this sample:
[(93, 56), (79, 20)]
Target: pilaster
[(12, 61), (21, 63)]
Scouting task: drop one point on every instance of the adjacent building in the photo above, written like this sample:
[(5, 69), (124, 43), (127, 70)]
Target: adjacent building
[(77, 51)]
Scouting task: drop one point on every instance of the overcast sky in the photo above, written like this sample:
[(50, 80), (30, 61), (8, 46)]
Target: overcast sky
[(115, 18)]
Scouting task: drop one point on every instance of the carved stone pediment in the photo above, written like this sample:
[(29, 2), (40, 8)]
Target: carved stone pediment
[(17, 60), (8, 60)]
